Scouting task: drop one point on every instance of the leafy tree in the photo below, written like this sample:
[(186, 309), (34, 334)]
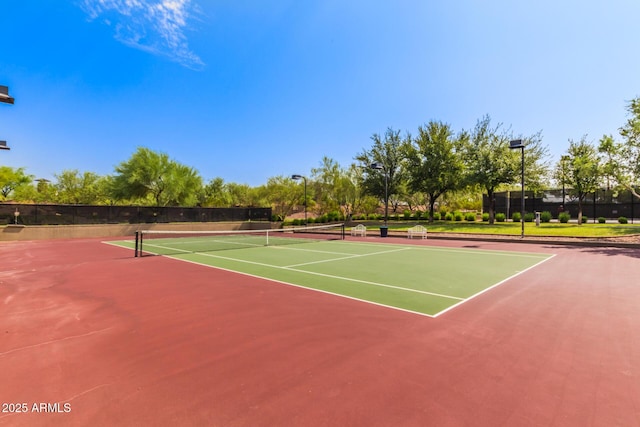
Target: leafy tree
[(622, 159), (631, 133), (435, 162), (282, 192), (351, 192), (583, 171), (72, 187), (243, 195), (326, 181), (388, 153), (148, 174), (11, 179), (490, 163), (216, 194)]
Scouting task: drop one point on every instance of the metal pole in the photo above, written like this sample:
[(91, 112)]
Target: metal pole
[(522, 203), (305, 201), (386, 197)]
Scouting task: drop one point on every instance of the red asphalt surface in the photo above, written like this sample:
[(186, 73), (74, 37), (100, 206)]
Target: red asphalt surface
[(91, 336)]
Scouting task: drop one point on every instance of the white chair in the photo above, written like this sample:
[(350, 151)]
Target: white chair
[(418, 230), (359, 230)]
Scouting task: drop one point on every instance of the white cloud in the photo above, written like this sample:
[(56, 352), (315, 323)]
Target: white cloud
[(153, 26)]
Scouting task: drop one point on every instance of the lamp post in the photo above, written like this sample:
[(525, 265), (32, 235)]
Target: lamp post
[(379, 166), (563, 160), (6, 99), (297, 177), (514, 145), (4, 95)]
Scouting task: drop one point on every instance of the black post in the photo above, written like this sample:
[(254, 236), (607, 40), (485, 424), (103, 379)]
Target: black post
[(515, 144), (136, 249), (522, 205)]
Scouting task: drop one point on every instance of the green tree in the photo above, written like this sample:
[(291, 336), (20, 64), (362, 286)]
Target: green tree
[(73, 187), (148, 174), (435, 164), (583, 171), (489, 161), (11, 179), (631, 150), (622, 159), (243, 195), (216, 194), (282, 193), (388, 154)]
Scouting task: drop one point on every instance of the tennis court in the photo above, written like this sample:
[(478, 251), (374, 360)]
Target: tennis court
[(155, 340), (416, 278)]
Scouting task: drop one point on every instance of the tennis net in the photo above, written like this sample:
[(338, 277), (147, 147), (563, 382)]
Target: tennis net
[(166, 242)]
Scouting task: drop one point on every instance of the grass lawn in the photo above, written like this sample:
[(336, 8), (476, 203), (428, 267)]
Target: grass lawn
[(530, 229)]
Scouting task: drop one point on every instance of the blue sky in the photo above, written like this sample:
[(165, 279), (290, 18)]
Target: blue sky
[(248, 90)]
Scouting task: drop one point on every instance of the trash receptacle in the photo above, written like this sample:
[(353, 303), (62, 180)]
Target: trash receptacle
[(537, 219), (383, 231)]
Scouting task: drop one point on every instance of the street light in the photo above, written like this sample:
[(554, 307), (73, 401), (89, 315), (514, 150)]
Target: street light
[(4, 95), (5, 98), (297, 177), (514, 145), (379, 166), (563, 160)]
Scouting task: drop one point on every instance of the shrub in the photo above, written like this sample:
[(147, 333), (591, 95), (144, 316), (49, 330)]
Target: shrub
[(407, 214), (485, 217), (500, 217), (436, 216), (516, 216), (418, 215), (296, 222), (545, 216), (457, 216), (333, 216), (564, 217), (443, 213), (311, 220), (602, 220), (372, 217), (395, 217), (529, 216), (622, 220), (448, 217), (470, 217), (584, 219)]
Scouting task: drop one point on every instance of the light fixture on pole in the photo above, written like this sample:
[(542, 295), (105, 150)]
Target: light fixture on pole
[(563, 160), (5, 98), (514, 145), (297, 177), (379, 166), (4, 95)]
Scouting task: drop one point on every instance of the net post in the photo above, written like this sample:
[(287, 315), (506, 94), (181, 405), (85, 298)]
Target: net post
[(342, 227), (136, 248)]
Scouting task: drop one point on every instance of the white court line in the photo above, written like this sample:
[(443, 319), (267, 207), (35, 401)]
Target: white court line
[(454, 250), (346, 257), (366, 282), (493, 286), (295, 285)]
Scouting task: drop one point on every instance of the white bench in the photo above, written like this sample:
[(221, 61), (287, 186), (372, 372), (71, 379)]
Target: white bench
[(418, 230), (359, 230)]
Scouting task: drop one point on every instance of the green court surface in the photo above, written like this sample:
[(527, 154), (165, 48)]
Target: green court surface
[(420, 279)]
